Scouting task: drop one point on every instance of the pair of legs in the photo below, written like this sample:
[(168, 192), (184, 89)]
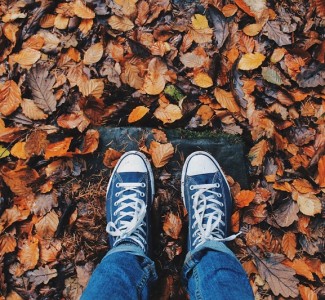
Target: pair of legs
[(211, 270)]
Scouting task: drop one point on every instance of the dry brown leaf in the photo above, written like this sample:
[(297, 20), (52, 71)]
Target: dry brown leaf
[(205, 113), (91, 142), (303, 186), (47, 21), (8, 135), (244, 198), (28, 253), (143, 10), (137, 113), (74, 120), (132, 75), (229, 10), (194, 59), (31, 110), (49, 250), (226, 100), (278, 54), (289, 244), (10, 30), (93, 87), (282, 186), (11, 215), (252, 29), (160, 153), (307, 293), (120, 23), (93, 54), (159, 135), (128, 7), (168, 114), (85, 25), (235, 221), (111, 157), (13, 296), (251, 61), (309, 204), (18, 150), (47, 225), (36, 143), (257, 152), (321, 171), (44, 203), (7, 244), (42, 275), (82, 11), (202, 80), (61, 22), (10, 97), (58, 149), (27, 57), (154, 81), (172, 225)]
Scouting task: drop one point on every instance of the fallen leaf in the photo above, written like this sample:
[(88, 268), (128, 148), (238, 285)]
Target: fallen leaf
[(36, 143), (257, 152), (93, 54), (4, 152), (44, 203), (300, 267), (172, 225), (289, 244), (202, 80), (168, 114), (137, 114), (93, 87), (82, 11), (111, 157), (58, 149), (154, 81), (120, 23), (49, 250), (307, 293), (7, 244), (31, 110), (255, 214), (226, 100), (251, 61), (229, 10), (42, 275), (91, 142), (128, 6), (161, 153), (244, 198), (84, 272), (47, 225), (321, 171), (252, 29), (272, 75), (309, 204), (303, 186), (199, 21), (286, 213), (10, 97), (18, 150), (27, 57), (28, 253)]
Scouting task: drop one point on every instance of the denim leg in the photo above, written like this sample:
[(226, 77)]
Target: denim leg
[(124, 273), (213, 272)]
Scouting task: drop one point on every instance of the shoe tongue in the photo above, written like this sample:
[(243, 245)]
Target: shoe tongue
[(202, 178)]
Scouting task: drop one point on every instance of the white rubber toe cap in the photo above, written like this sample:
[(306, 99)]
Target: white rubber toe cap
[(200, 164), (132, 163)]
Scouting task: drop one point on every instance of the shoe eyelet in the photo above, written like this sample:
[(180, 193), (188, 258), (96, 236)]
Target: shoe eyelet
[(191, 187), (117, 194), (217, 185), (117, 185), (114, 214), (143, 184), (192, 197), (142, 194), (115, 203)]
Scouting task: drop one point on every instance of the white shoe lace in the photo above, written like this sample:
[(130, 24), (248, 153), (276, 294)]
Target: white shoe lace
[(131, 213), (208, 223)]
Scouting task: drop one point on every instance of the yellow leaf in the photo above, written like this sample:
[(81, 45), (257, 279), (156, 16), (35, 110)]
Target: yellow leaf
[(160, 153), (226, 100), (252, 29), (257, 152), (168, 114), (31, 110), (27, 57), (309, 204), (199, 21), (120, 23), (82, 11), (61, 22), (277, 55), (3, 152), (250, 61), (202, 80), (18, 150), (93, 54), (137, 113), (93, 87), (10, 97)]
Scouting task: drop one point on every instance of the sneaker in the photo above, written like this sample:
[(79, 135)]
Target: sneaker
[(207, 198), (128, 200)]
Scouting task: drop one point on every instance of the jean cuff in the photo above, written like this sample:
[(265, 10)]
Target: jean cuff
[(194, 257)]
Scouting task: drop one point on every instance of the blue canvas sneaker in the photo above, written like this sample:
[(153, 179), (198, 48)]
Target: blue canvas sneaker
[(128, 201), (207, 198)]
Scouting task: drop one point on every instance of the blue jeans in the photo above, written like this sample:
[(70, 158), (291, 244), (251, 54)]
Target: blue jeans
[(211, 271)]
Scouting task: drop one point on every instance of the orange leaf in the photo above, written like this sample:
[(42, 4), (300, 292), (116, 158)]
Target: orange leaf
[(58, 149), (82, 11), (235, 218), (47, 21), (28, 253), (111, 157), (289, 244), (202, 80), (91, 141), (31, 110), (244, 197), (251, 61), (160, 153), (205, 113), (27, 56), (7, 244), (257, 152), (321, 171), (85, 25), (229, 10), (172, 225), (12, 215), (303, 186), (300, 267), (18, 150), (154, 82), (307, 293), (10, 97), (168, 114), (49, 250), (93, 54), (47, 225), (74, 120), (282, 186), (137, 114), (226, 100), (252, 29), (120, 23)]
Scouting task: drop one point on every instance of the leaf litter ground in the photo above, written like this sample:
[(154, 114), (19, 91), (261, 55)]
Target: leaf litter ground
[(249, 68)]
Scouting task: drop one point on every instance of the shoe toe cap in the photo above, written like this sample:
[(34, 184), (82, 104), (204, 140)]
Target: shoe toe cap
[(132, 163), (201, 164)]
